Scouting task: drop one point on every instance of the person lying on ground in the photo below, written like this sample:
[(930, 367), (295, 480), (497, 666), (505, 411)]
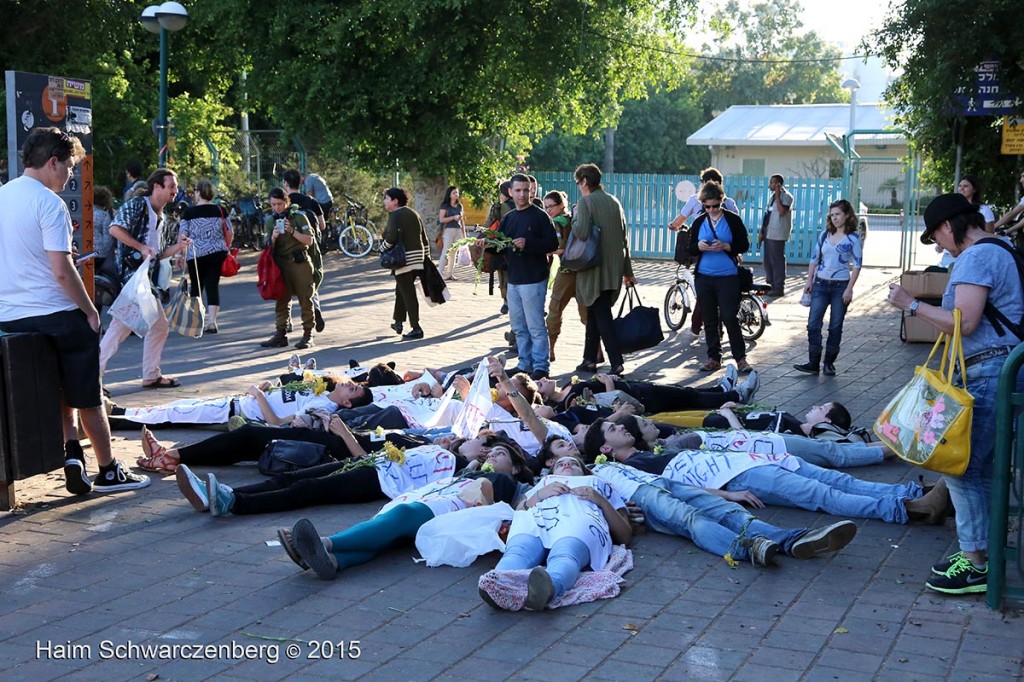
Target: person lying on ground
[(656, 397), (782, 480), (831, 454), (395, 523), (263, 402), (715, 524), (566, 522), (367, 477)]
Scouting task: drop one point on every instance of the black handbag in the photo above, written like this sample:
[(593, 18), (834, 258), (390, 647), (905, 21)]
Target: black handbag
[(682, 254), (285, 456), (746, 276), (639, 328), (394, 257)]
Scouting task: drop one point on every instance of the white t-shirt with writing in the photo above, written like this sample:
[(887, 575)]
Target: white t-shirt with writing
[(33, 221), (712, 469), (623, 478), (741, 440), (424, 464), (569, 515)]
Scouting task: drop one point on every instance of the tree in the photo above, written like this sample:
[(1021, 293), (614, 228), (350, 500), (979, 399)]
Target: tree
[(937, 44), (446, 88)]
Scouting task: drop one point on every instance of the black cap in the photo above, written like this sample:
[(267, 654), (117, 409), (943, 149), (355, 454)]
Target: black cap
[(941, 209)]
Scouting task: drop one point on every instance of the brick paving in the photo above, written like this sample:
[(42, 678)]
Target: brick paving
[(84, 576)]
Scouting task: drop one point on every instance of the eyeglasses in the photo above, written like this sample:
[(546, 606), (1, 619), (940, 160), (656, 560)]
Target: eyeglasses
[(708, 207), (550, 205)]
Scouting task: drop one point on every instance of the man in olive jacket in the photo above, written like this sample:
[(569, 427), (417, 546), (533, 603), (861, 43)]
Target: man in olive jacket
[(598, 288)]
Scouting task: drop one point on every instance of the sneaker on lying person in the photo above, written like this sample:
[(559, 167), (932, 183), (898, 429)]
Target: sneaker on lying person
[(728, 382), (221, 497), (761, 549), (748, 388)]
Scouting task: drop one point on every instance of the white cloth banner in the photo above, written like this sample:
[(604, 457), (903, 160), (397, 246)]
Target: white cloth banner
[(476, 406)]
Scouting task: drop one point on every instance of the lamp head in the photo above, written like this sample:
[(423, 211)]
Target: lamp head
[(149, 20), (172, 16)]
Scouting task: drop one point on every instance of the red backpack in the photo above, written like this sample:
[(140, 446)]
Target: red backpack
[(269, 279)]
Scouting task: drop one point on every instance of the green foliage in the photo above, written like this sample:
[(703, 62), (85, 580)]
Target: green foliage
[(936, 44)]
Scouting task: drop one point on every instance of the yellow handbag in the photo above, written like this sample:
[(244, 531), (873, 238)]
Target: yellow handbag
[(928, 423)]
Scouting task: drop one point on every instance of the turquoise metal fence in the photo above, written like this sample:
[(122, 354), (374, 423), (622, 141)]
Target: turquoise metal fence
[(650, 202), (1007, 486)]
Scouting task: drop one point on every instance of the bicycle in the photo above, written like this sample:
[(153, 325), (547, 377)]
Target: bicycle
[(350, 229), (680, 300), (246, 218)]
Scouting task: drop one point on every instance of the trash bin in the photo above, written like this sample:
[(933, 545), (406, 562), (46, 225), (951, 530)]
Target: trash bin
[(31, 428)]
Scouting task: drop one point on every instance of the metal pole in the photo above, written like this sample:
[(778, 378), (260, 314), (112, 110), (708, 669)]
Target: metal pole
[(161, 123)]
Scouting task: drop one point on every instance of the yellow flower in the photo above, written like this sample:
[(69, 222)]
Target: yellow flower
[(379, 431), (494, 395), (394, 453), (308, 376), (659, 449), (729, 560), (487, 468), (575, 379), (600, 459), (319, 386)]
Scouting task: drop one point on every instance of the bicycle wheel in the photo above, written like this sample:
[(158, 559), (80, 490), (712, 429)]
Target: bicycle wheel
[(751, 317), (678, 304), (356, 241)]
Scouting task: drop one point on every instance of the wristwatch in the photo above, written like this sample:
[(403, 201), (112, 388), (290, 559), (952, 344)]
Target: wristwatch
[(913, 308)]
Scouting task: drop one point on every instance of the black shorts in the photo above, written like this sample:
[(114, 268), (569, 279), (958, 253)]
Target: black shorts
[(78, 353)]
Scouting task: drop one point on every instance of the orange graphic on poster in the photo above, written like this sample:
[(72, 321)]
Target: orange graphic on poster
[(55, 103)]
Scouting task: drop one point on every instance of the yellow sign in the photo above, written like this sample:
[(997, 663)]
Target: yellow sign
[(1013, 136)]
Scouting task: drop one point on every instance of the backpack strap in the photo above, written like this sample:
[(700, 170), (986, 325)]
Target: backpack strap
[(821, 245), (995, 317)]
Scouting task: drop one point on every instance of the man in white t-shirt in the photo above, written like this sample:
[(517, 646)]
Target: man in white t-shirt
[(780, 225), (42, 292)]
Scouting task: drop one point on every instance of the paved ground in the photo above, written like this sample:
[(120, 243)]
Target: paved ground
[(85, 578)]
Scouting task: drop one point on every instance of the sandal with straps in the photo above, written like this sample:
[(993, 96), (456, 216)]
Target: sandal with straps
[(157, 457)]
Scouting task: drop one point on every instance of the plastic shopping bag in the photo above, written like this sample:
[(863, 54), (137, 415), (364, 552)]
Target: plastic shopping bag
[(463, 257), (458, 538), (136, 306)]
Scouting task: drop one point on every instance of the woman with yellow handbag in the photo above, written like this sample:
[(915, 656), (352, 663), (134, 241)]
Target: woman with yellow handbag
[(982, 309)]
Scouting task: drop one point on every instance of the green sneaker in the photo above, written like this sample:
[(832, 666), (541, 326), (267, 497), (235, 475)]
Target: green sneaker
[(221, 497), (961, 578), (943, 566)]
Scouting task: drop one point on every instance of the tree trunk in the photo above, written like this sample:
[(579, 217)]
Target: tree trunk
[(427, 194)]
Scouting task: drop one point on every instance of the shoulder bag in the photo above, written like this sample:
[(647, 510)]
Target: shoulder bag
[(185, 313), (640, 327), (285, 456), (583, 254), (393, 257), (928, 423)]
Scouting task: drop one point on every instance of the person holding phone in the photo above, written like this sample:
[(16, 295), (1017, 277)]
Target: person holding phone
[(291, 235), (717, 238)]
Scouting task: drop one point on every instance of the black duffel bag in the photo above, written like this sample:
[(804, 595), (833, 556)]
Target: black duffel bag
[(639, 328), (286, 456)]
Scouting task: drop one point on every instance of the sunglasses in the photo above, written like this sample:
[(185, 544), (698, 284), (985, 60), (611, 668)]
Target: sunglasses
[(708, 207)]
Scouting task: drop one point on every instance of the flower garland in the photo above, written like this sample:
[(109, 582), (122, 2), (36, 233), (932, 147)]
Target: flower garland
[(311, 383), (491, 239), (389, 453)]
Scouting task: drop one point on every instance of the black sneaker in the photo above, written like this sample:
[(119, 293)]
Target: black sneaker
[(114, 479), (961, 578), (319, 317), (75, 479), (947, 563), (827, 539)]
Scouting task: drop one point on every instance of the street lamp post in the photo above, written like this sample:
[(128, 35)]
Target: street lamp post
[(170, 16), (853, 85)]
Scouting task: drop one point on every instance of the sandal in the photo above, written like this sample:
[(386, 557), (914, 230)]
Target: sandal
[(157, 457), (284, 536), (162, 382)]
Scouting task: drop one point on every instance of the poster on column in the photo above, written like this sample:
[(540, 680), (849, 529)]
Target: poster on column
[(36, 100)]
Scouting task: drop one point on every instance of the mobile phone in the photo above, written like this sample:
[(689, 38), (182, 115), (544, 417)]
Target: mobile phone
[(85, 257), (280, 225)]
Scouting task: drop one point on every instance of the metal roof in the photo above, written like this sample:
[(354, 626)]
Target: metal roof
[(793, 125)]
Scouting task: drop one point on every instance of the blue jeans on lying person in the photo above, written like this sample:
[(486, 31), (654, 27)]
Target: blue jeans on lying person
[(816, 489), (832, 455), (565, 560), (714, 510)]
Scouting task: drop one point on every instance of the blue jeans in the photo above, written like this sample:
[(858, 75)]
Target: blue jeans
[(526, 314), (972, 492), (827, 293), (566, 558), (713, 523), (826, 453), (833, 492)]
